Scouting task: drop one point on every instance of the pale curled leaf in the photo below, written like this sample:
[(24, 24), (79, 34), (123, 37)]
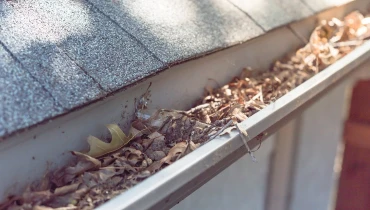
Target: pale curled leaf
[(227, 130), (179, 149), (99, 148), (48, 208)]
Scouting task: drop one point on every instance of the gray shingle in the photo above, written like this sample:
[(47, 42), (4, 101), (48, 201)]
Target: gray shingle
[(31, 30), (23, 101), (72, 52), (296, 9), (273, 13), (175, 30), (109, 54), (319, 5)]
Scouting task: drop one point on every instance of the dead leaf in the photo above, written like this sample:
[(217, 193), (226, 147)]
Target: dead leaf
[(238, 114), (67, 199), (48, 208), (156, 135), (155, 166), (90, 179), (36, 197), (15, 207), (146, 143), (227, 130), (88, 185), (9, 202), (155, 155), (105, 173), (44, 184), (178, 149), (66, 189), (122, 166), (67, 174), (99, 148), (107, 160)]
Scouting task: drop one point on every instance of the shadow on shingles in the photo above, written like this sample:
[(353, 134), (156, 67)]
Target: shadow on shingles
[(179, 30), (79, 67)]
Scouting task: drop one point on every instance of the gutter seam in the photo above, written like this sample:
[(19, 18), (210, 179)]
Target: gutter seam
[(30, 74), (83, 69), (249, 16), (308, 6), (129, 34)]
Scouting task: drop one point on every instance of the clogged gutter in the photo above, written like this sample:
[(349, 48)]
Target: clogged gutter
[(157, 138)]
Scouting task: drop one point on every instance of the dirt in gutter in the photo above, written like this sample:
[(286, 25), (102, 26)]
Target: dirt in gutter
[(158, 138)]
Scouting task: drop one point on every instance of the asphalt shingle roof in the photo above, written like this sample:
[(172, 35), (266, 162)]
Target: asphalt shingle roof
[(59, 55), (23, 100), (175, 30), (274, 13), (33, 31)]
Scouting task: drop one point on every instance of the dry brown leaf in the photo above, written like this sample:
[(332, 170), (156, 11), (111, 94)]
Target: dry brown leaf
[(89, 179), (122, 166), (15, 207), (156, 135), (66, 175), (105, 173), (238, 114), (179, 149), (36, 197), (155, 166), (156, 131), (227, 130), (99, 148), (67, 199), (9, 202), (48, 208), (353, 20), (66, 189), (135, 132)]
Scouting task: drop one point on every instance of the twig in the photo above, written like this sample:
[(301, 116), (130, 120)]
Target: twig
[(188, 142), (243, 135), (197, 108), (219, 131), (253, 99), (261, 95), (348, 43), (142, 100)]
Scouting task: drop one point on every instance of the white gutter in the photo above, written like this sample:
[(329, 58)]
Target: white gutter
[(25, 157), (170, 185)]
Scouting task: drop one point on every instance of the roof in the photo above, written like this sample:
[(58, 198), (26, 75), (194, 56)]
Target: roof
[(56, 56)]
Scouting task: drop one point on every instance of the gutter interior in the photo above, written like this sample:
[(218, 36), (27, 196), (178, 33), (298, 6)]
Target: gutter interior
[(51, 142)]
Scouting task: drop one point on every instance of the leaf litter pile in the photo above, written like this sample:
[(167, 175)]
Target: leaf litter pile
[(158, 138)]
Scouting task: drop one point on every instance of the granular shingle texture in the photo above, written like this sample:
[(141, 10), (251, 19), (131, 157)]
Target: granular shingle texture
[(319, 5), (32, 31), (273, 13), (23, 100), (176, 30), (109, 54), (56, 56), (296, 9)]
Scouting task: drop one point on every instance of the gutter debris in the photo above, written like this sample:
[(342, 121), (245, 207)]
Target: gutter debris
[(158, 138)]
